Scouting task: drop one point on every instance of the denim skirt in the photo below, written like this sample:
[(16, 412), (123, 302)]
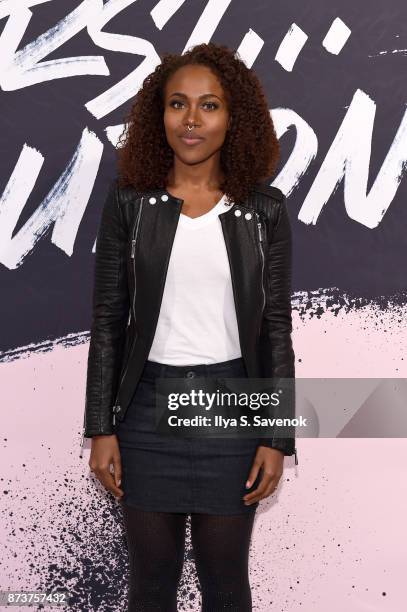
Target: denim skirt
[(166, 473)]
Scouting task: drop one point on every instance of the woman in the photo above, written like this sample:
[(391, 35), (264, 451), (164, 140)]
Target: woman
[(192, 278)]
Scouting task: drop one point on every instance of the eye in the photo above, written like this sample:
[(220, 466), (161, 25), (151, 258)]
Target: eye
[(212, 104)]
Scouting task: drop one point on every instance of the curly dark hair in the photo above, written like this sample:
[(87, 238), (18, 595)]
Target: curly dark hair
[(251, 150)]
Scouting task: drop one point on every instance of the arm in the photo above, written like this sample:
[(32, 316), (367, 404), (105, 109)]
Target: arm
[(111, 305), (276, 343)]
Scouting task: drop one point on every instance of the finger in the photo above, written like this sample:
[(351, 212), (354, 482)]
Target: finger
[(263, 494), (263, 484), (253, 473), (266, 484), (117, 470), (270, 490), (106, 478), (254, 494)]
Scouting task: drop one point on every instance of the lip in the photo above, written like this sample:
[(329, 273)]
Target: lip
[(191, 141)]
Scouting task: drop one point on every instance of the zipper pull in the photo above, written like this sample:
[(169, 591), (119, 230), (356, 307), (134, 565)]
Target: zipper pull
[(259, 228), (82, 440), (133, 247), (116, 408), (295, 453)]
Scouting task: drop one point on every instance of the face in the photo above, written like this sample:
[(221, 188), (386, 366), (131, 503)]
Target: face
[(194, 96)]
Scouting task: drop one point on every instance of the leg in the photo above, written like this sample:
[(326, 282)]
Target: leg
[(156, 554), (221, 548)]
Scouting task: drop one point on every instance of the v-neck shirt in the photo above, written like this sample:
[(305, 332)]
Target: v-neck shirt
[(197, 322), (194, 223)]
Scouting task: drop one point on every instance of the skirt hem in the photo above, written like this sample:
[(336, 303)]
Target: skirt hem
[(189, 510)]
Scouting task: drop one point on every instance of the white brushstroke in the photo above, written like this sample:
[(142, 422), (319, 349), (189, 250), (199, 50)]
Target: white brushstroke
[(391, 51), (207, 23), (44, 346), (9, 6), (304, 151), (16, 194), (250, 47), (113, 132), (164, 10), (349, 157), (74, 189), (125, 89), (23, 68), (64, 205), (336, 37), (10, 38), (290, 47)]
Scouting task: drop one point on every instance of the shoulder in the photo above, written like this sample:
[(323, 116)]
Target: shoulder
[(267, 200), (126, 193), (263, 188), (122, 202)]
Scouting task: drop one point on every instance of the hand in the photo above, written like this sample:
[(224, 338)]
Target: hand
[(271, 460), (105, 451)]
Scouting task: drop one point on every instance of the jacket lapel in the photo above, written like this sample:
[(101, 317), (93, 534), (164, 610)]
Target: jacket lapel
[(158, 224), (239, 231)]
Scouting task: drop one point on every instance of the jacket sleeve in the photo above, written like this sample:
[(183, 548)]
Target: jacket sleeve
[(109, 318), (277, 321)]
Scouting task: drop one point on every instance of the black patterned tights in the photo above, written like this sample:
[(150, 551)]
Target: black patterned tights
[(156, 553)]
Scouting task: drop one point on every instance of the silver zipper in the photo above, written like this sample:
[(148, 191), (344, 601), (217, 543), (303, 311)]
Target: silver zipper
[(133, 249), (82, 440), (135, 233), (83, 434), (295, 453), (116, 408), (262, 258)]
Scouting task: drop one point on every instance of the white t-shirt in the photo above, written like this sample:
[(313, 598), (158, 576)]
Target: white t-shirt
[(197, 321)]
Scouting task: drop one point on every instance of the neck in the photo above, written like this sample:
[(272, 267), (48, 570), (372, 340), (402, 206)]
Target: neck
[(205, 177)]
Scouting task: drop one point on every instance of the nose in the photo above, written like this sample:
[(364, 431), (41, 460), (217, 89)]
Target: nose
[(191, 116), (191, 122)]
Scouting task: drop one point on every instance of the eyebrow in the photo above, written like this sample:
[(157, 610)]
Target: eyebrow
[(179, 93)]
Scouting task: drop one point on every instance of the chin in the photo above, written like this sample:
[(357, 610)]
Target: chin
[(191, 160), (191, 154)]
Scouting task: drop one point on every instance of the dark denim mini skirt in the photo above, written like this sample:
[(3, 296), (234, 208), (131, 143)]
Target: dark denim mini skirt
[(179, 474)]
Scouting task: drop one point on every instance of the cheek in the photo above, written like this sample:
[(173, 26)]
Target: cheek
[(216, 134), (170, 122), (170, 128), (217, 127)]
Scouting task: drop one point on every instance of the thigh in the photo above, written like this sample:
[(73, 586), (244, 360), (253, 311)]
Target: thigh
[(156, 554), (156, 540), (221, 544)]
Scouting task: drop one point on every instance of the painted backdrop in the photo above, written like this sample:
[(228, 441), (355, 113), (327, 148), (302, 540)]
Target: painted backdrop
[(334, 73)]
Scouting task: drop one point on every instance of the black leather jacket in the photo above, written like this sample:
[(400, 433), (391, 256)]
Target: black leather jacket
[(134, 242)]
